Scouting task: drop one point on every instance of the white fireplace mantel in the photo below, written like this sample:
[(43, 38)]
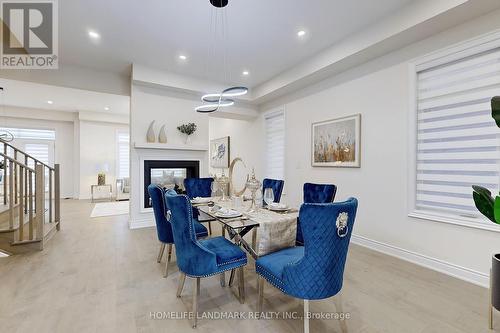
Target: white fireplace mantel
[(139, 215), (169, 146)]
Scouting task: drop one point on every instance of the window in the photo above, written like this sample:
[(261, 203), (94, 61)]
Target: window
[(31, 134), (457, 141), (275, 145), (123, 148), (40, 151)]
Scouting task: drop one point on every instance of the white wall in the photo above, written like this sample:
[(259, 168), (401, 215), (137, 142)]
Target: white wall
[(171, 109), (63, 145), (98, 144), (380, 92), (246, 141)]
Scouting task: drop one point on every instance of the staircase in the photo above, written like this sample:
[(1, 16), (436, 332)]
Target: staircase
[(29, 201)]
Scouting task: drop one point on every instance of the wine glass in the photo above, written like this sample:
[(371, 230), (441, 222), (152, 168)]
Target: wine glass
[(268, 196)]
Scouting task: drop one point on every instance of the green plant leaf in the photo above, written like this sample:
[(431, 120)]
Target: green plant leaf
[(484, 202), (495, 109), (497, 210)]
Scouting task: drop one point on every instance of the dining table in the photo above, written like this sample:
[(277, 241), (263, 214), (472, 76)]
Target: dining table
[(272, 230)]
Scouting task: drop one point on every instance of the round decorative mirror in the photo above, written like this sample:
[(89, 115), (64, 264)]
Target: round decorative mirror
[(238, 176)]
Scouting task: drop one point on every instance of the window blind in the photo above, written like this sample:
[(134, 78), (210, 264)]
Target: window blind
[(275, 145), (458, 142), (40, 151), (28, 133), (123, 154)]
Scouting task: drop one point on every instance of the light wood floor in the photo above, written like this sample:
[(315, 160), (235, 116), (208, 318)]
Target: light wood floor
[(95, 275)]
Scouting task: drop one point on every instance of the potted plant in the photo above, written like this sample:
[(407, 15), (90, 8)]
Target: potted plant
[(490, 208), (187, 129)]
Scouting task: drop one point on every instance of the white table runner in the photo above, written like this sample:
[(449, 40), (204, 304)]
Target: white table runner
[(276, 231)]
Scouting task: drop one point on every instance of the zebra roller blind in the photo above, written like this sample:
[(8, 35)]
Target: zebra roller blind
[(458, 142), (123, 139), (275, 145)]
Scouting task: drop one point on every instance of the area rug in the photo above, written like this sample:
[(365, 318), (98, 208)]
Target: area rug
[(110, 209)]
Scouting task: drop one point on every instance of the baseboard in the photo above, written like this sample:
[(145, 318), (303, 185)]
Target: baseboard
[(441, 266)]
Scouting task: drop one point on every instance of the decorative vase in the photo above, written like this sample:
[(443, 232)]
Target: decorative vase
[(162, 137), (187, 139), (101, 179), (150, 136), (494, 286), (253, 185)]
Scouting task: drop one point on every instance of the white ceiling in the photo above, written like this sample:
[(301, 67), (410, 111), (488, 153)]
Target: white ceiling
[(261, 34), (64, 99)]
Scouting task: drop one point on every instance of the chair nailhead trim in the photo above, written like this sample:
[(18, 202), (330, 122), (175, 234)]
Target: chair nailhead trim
[(270, 278), (216, 273)]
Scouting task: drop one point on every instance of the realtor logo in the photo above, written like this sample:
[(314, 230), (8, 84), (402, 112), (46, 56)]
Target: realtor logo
[(29, 34)]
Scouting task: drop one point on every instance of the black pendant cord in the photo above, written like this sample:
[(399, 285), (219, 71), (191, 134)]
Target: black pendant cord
[(213, 102)]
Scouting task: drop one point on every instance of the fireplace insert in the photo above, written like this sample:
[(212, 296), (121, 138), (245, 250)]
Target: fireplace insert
[(168, 174)]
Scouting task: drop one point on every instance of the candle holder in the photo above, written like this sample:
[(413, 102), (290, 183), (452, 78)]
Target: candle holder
[(253, 185), (222, 183)]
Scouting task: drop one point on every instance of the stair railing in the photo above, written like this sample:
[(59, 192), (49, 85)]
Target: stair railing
[(30, 193)]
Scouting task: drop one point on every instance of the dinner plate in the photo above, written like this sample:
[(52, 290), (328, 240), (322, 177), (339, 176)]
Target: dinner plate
[(229, 215), (278, 208), (199, 200)]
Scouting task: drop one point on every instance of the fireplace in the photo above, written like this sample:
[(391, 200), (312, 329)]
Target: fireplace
[(168, 174)]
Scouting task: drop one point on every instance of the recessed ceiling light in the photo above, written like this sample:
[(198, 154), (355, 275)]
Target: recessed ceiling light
[(106, 108), (301, 33), (94, 35), (182, 57), (50, 102), (246, 73)]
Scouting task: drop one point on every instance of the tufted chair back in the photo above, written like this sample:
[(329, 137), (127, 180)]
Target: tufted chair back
[(276, 185), (198, 187), (192, 258), (320, 273), (319, 193), (163, 227)]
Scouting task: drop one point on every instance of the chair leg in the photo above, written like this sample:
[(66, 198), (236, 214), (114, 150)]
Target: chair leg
[(222, 279), (223, 232), (241, 284), (306, 316), (254, 239), (260, 300), (182, 278), (195, 302), (160, 255), (168, 259), (340, 309), (231, 278), (210, 228)]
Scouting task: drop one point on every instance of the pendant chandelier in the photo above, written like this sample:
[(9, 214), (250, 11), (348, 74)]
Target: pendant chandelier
[(214, 101)]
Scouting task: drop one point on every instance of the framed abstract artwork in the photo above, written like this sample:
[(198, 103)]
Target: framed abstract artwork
[(220, 152), (337, 142)]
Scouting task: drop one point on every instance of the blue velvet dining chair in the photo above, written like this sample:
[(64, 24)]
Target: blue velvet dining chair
[(199, 187), (276, 185), (163, 227), (201, 258), (315, 193), (316, 270)]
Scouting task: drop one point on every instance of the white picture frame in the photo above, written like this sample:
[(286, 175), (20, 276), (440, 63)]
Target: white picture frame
[(337, 142)]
